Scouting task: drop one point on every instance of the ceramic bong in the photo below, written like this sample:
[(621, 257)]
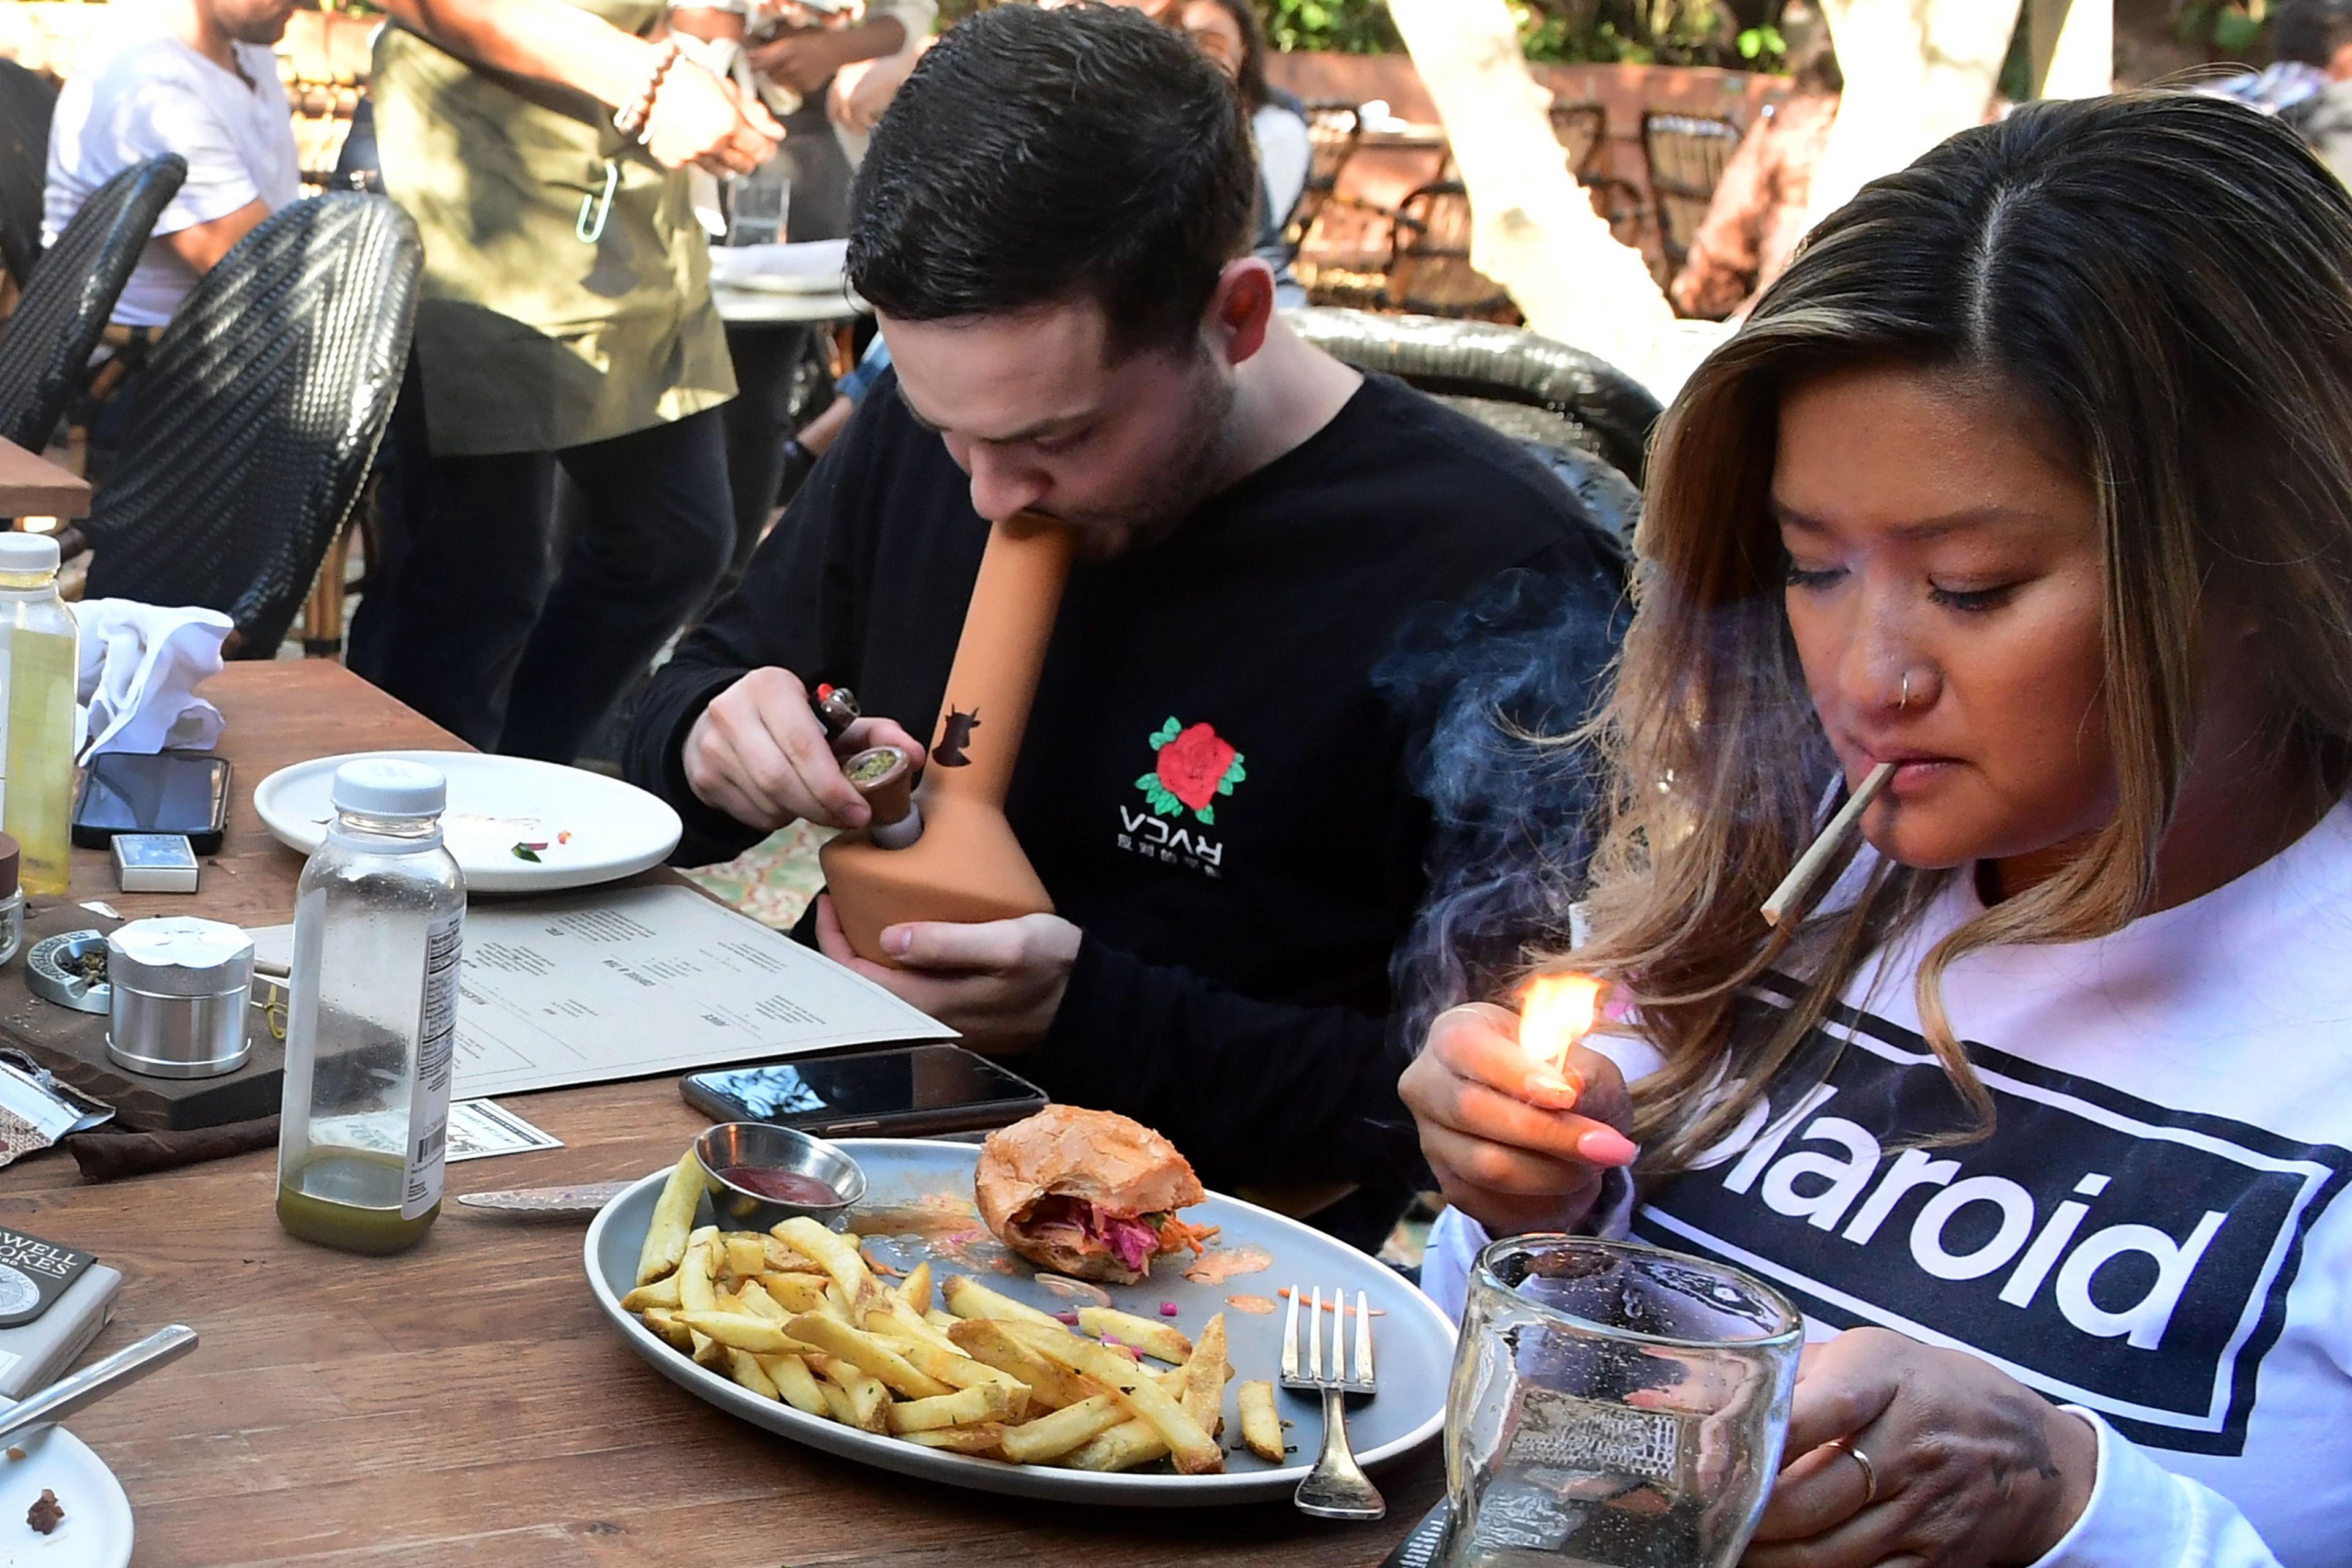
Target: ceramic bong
[(966, 866)]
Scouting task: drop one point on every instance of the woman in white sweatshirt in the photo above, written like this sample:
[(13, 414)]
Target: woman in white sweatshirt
[(2033, 475)]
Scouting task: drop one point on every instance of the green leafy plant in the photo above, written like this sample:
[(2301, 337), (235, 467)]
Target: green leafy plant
[(2225, 26)]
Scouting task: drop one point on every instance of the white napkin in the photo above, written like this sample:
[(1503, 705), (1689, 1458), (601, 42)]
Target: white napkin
[(140, 667)]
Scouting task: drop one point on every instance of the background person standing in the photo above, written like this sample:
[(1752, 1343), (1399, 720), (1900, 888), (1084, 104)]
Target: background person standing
[(565, 321)]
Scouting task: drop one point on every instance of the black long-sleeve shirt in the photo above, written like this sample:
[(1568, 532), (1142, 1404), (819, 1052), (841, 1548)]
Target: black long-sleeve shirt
[(1210, 786)]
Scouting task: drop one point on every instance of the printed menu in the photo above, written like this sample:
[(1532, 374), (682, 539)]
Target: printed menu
[(625, 982)]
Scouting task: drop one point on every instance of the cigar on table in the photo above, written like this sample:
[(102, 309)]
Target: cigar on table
[(1827, 846)]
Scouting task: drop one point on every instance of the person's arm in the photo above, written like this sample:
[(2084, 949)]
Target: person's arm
[(202, 245), (697, 119), (2141, 1515), (805, 60)]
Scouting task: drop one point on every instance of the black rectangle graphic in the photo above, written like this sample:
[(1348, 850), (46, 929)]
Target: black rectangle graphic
[(2105, 1251)]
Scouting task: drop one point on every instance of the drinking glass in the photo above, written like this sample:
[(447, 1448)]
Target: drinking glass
[(757, 204), (1613, 1404)]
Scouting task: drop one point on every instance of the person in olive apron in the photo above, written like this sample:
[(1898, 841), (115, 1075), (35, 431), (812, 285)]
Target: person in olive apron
[(565, 321)]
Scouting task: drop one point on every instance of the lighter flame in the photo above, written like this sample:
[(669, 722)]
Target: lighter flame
[(1554, 1011)]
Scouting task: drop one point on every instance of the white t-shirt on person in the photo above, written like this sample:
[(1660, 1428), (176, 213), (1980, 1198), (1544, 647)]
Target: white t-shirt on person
[(156, 95), (2156, 1233)]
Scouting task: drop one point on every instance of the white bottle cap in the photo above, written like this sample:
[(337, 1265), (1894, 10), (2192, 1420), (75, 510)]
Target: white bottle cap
[(381, 787), (28, 552)]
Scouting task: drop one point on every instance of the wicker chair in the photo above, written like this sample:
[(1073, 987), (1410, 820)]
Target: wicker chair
[(26, 102), (54, 328), (1687, 157), (1428, 270), (1570, 407), (259, 415), (1333, 129), (1582, 130)]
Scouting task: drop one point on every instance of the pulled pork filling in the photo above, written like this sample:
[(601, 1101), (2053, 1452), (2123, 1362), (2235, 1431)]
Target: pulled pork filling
[(1073, 1222)]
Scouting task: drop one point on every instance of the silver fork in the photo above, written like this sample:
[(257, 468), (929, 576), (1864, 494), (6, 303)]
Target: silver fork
[(1337, 1488)]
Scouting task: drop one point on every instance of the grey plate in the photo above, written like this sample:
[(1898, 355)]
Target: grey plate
[(1413, 1345)]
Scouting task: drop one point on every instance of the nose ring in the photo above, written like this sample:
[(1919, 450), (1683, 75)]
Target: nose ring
[(1905, 701)]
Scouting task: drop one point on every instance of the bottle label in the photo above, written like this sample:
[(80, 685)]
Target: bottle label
[(436, 1051)]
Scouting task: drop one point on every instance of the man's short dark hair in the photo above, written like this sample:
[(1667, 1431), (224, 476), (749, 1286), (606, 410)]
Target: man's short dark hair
[(2311, 31), (1036, 157)]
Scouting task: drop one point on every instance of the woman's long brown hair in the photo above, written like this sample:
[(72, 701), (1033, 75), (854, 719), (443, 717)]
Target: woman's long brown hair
[(2166, 281)]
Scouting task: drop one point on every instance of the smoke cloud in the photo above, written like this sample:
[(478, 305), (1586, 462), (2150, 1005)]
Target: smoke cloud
[(1501, 682)]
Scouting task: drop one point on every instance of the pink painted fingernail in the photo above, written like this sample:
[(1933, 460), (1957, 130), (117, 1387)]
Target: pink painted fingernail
[(1607, 1146)]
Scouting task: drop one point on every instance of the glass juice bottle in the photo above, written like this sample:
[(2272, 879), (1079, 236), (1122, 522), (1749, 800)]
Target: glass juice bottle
[(37, 658), (370, 1024)]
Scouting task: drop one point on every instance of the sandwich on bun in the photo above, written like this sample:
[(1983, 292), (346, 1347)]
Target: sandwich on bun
[(1087, 1193)]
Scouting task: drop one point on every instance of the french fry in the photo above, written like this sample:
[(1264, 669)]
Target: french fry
[(746, 1255), (1153, 1338), (1199, 1387), (743, 1331), (663, 1321), (1193, 1450), (1050, 1436), (673, 1218), (1053, 1388), (893, 1319), (872, 1356), (915, 1289), (1261, 1427), (958, 1370), (662, 1292), (745, 1369), (796, 1384), (838, 1256), (944, 1321), (964, 1407), (751, 1297), (968, 1298), (784, 1258), (985, 1439), (856, 1399), (1123, 1448), (695, 1291), (795, 1293), (709, 1352), (1204, 1377)]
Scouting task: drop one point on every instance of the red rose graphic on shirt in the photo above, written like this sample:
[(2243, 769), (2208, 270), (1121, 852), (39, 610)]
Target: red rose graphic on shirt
[(1196, 765)]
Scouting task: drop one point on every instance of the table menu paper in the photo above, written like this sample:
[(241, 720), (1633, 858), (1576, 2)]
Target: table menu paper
[(629, 982)]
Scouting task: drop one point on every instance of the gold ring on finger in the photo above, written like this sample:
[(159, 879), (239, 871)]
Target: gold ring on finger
[(1869, 1471)]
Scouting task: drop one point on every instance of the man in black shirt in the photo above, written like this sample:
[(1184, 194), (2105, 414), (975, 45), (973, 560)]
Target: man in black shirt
[(1052, 225)]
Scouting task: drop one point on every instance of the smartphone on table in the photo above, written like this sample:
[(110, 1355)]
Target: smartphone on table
[(156, 792), (903, 1093)]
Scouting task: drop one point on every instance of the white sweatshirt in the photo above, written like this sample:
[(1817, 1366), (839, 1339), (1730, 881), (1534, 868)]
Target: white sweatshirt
[(2153, 1236)]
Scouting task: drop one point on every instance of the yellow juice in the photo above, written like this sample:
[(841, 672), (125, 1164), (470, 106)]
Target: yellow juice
[(39, 801)]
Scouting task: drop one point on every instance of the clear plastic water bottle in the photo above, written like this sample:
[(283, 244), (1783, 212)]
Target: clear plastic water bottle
[(370, 1024), (37, 658)]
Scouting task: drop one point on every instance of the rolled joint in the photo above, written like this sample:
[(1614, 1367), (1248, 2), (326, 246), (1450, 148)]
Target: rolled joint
[(885, 776)]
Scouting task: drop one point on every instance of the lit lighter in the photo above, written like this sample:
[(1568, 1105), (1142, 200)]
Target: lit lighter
[(1556, 1011)]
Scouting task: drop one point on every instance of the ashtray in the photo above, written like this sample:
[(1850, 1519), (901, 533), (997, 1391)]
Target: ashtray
[(69, 968)]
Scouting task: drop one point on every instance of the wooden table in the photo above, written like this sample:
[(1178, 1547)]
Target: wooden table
[(32, 486), (466, 1403)]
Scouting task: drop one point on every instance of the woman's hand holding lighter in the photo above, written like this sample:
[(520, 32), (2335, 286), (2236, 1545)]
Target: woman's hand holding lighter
[(1519, 1138)]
